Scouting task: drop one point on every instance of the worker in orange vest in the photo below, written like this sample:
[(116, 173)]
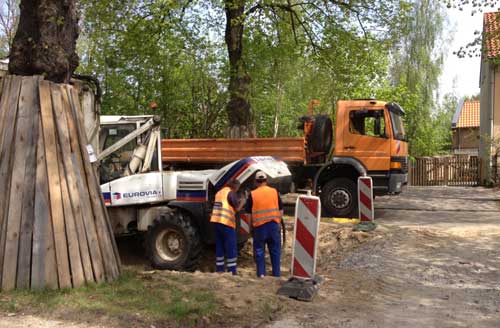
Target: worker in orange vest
[(266, 209), (226, 205)]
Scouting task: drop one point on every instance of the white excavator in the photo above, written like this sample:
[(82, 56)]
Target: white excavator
[(172, 208)]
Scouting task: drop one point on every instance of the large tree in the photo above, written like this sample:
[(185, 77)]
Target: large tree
[(271, 56), (9, 15), (373, 19), (417, 67), (45, 40), (238, 107)]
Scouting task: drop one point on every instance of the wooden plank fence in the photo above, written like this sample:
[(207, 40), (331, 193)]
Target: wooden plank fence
[(458, 170)]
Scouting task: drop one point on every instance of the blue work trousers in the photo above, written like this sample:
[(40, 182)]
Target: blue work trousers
[(225, 248), (267, 234)]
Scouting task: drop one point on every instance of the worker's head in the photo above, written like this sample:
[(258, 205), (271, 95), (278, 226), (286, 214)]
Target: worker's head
[(234, 184), (260, 178)]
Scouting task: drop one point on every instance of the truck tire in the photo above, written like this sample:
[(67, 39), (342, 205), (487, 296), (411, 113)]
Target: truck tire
[(173, 242), (339, 198), (321, 136)]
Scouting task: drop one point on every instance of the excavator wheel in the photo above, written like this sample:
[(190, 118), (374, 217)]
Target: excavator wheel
[(173, 242)]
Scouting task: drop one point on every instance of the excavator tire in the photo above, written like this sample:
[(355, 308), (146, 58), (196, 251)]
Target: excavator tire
[(173, 242), (321, 137)]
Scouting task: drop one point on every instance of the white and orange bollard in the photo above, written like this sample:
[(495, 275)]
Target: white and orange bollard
[(365, 204), (304, 283)]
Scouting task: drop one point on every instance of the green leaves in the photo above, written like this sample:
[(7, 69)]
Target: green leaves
[(415, 70), (173, 52), (152, 51)]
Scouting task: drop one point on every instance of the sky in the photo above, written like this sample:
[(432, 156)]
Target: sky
[(461, 75)]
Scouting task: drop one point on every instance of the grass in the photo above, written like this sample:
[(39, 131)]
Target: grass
[(130, 294)]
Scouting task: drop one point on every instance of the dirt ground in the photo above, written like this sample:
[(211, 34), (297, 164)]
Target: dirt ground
[(434, 261)]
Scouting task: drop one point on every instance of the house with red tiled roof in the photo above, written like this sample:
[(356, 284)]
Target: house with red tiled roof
[(465, 128), (489, 83)]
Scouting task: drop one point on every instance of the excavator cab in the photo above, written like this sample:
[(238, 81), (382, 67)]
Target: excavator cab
[(114, 166)]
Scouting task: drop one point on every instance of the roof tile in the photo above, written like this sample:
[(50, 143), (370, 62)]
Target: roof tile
[(469, 116), (491, 34)]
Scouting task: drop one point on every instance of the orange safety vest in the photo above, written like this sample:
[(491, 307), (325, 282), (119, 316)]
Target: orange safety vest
[(223, 212), (265, 206)]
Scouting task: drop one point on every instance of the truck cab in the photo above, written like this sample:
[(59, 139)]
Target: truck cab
[(369, 141), (374, 135)]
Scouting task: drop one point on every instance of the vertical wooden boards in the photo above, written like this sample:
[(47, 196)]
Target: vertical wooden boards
[(54, 229), (30, 95), (43, 266), (71, 178), (75, 260), (5, 163), (69, 219), (104, 232), (12, 218), (3, 105), (105, 235), (56, 206), (87, 214), (1, 86)]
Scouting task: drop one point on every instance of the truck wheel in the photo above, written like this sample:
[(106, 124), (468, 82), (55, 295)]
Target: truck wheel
[(321, 136), (339, 198), (173, 243)]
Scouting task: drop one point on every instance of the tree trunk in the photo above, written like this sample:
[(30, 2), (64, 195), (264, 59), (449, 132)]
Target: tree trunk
[(277, 110), (238, 107), (45, 40)]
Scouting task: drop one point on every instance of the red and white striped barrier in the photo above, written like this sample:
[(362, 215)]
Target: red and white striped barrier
[(305, 244), (244, 223), (365, 199)]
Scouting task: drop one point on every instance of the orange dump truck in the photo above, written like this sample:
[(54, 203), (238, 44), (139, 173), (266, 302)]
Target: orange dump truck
[(368, 139)]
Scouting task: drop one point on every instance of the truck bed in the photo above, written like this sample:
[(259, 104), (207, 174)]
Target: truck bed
[(227, 150)]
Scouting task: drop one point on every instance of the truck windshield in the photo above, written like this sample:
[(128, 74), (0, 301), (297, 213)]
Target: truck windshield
[(397, 127)]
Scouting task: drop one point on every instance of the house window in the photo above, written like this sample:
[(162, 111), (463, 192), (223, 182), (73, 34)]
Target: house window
[(368, 123)]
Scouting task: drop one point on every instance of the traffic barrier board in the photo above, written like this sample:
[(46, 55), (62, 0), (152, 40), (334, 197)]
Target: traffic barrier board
[(244, 223), (365, 199), (307, 218)]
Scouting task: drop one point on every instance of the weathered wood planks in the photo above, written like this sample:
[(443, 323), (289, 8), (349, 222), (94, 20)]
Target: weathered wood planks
[(6, 154), (108, 245), (456, 170), (44, 267), (28, 210), (54, 228)]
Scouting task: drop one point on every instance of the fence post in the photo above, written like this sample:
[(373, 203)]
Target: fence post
[(446, 170)]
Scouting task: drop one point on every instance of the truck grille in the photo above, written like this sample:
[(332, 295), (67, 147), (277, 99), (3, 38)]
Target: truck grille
[(403, 160)]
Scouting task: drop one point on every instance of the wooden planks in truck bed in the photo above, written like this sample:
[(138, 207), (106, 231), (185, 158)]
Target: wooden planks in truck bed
[(227, 150)]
